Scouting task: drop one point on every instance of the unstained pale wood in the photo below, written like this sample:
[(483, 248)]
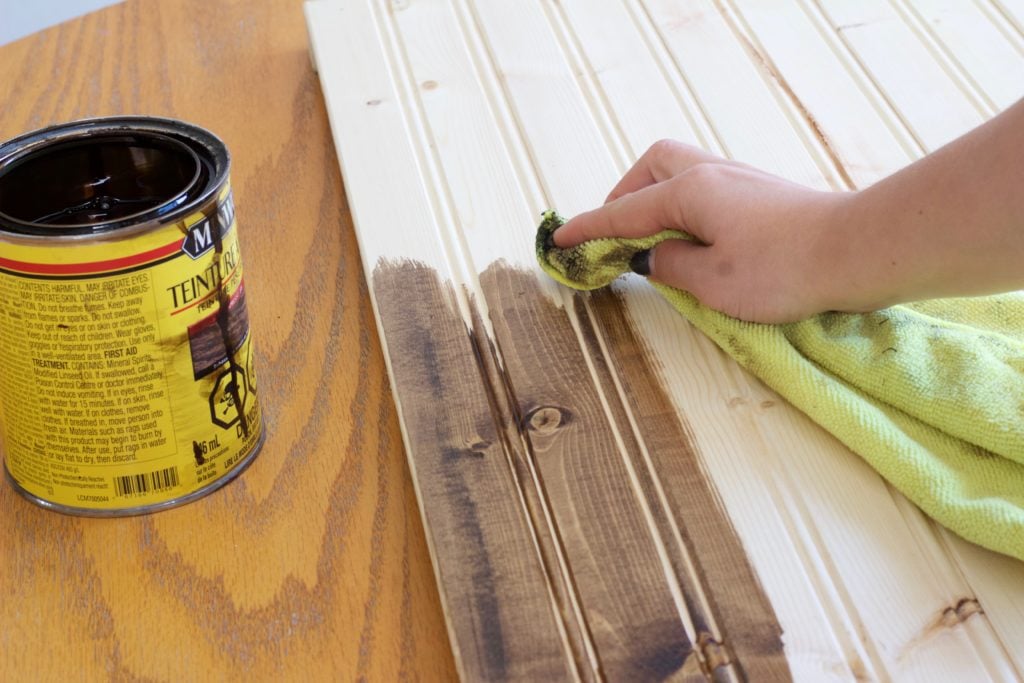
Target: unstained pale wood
[(312, 565)]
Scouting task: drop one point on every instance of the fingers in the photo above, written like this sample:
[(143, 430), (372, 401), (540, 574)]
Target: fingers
[(662, 160), (638, 214), (642, 202)]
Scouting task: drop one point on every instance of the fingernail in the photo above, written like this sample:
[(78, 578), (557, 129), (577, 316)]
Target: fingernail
[(549, 241), (641, 262)]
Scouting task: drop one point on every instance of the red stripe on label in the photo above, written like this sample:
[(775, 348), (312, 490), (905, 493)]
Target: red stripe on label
[(91, 267)]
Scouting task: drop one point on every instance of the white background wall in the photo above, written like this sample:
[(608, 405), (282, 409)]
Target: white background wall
[(19, 18)]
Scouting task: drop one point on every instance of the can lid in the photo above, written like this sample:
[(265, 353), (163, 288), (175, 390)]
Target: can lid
[(100, 175)]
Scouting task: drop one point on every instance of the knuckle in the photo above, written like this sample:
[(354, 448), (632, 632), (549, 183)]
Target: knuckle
[(662, 153), (663, 147), (704, 174)]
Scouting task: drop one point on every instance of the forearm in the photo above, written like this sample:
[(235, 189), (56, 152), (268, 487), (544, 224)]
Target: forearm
[(951, 224)]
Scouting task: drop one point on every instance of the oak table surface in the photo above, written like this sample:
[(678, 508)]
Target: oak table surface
[(313, 564)]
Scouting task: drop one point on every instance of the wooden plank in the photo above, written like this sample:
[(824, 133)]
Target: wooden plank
[(974, 37), (622, 632), (505, 625), (492, 584), (507, 108), (969, 565), (809, 62), (623, 643), (858, 576), (430, 42), (908, 69), (996, 582), (547, 157), (691, 31), (1012, 11), (670, 469), (807, 78), (630, 608), (601, 28)]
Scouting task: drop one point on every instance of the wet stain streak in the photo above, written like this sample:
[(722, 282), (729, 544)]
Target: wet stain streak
[(548, 564), (491, 580), (749, 637)]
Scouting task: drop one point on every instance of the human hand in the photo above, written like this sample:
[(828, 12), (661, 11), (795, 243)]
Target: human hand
[(764, 249)]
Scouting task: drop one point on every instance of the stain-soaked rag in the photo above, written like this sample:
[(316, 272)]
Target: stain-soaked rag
[(931, 394)]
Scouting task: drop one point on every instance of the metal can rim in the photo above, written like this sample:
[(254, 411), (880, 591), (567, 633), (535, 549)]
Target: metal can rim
[(200, 140)]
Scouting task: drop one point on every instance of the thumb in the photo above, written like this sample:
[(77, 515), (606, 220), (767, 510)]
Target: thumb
[(677, 263)]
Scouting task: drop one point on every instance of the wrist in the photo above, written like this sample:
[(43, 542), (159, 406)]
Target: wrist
[(857, 266)]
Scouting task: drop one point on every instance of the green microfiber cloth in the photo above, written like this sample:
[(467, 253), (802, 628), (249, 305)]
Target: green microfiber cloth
[(931, 394)]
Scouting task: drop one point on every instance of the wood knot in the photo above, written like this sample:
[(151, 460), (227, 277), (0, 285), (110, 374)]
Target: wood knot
[(547, 419), (961, 612)]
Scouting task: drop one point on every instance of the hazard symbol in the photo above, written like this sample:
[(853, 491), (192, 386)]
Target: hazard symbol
[(228, 398)]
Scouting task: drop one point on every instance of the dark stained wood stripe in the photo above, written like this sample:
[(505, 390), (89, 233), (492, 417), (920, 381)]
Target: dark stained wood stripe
[(627, 603), (505, 411), (492, 581), (711, 656), (752, 634), (506, 436)]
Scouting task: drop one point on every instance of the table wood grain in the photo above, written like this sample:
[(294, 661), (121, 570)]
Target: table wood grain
[(313, 564)]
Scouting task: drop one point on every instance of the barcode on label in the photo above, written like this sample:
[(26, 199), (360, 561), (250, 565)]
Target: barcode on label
[(138, 484)]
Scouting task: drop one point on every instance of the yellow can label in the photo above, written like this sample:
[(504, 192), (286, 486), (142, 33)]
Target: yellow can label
[(126, 378)]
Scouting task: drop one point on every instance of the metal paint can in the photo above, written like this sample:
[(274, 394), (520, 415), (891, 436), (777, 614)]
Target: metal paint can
[(126, 375)]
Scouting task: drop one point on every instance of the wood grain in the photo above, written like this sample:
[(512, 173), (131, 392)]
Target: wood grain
[(312, 565), (547, 564), (724, 593), (490, 570), (632, 613), (458, 121)]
